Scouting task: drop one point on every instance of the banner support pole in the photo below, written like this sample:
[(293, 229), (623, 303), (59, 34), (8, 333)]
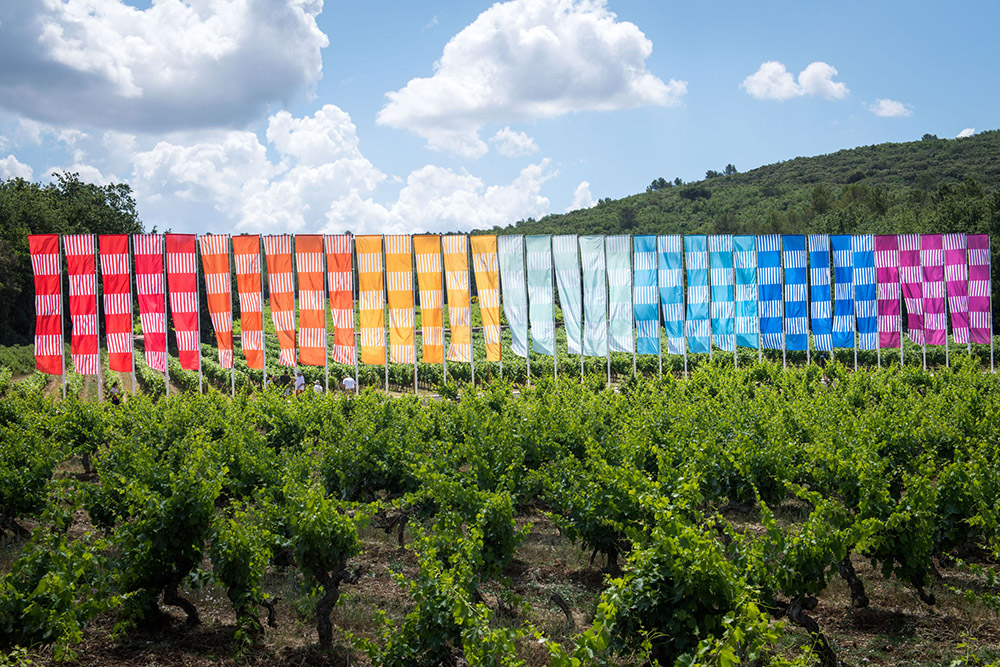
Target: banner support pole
[(131, 328), (232, 338), (166, 337), (97, 310), (62, 323)]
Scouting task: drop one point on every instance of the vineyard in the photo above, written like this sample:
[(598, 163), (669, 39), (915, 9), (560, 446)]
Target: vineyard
[(751, 516)]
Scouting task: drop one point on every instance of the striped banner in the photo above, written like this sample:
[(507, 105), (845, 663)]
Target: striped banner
[(619, 255), (510, 250), (769, 291), (566, 259), (399, 278), (484, 263), (671, 282), (843, 290), (887, 279), (932, 271), (980, 289), (912, 282), (956, 276), (720, 258), (645, 298), (428, 251), (595, 296), (819, 291), (698, 298), (796, 297), (865, 293), (218, 281), (456, 273), (312, 300), (281, 294), (44, 251), (371, 299), (116, 276), (182, 281), (246, 255), (83, 302), (745, 268), (540, 301), (340, 284), (149, 288)]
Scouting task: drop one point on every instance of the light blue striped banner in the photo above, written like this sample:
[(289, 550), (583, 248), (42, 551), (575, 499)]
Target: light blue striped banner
[(745, 261), (720, 255), (769, 286), (566, 258), (699, 336), (510, 254), (819, 291), (865, 299), (843, 291), (671, 291), (619, 255), (543, 328), (645, 299), (595, 296), (796, 299)]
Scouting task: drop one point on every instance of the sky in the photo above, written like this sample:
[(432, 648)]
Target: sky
[(305, 116)]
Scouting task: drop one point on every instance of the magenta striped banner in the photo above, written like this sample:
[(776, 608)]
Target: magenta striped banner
[(932, 270), (956, 277), (980, 311), (887, 278), (912, 283)]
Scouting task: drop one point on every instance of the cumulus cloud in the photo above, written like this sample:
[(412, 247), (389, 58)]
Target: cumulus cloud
[(582, 197), (967, 132), (177, 64), (773, 81), (10, 167), (528, 59), (890, 109), (513, 144)]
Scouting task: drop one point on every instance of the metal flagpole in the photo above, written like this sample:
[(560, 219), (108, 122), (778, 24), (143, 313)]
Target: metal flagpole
[(899, 274), (967, 293), (555, 289), (60, 242), (97, 310), (444, 348), (527, 310), (166, 338), (576, 242), (781, 269), (197, 308), (854, 311), (708, 273), (808, 300), (263, 330), (923, 308), (355, 286), (756, 297), (635, 350), (607, 307), (684, 331), (385, 304), (131, 329), (326, 300), (413, 311), (732, 279), (230, 260), (947, 359), (468, 282), (989, 294)]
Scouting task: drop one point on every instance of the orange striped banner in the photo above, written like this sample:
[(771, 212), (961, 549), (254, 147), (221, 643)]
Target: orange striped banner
[(371, 308), (456, 267), (399, 275), (484, 263), (312, 308), (340, 282), (428, 252), (215, 264), (246, 253), (278, 252)]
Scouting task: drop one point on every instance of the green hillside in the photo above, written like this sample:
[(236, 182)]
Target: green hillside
[(931, 185)]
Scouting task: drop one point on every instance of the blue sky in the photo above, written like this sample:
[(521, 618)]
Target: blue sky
[(303, 116)]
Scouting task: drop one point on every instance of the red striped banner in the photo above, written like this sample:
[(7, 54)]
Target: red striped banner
[(182, 280), (215, 265), (44, 250), (246, 253), (149, 288), (312, 309), (340, 282), (278, 251), (80, 265), (115, 281)]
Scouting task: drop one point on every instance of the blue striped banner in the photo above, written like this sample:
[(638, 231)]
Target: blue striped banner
[(510, 253), (865, 299), (619, 255), (698, 318), (647, 312), (671, 291), (539, 261), (796, 299), (566, 258), (720, 251), (745, 261), (769, 290), (595, 296), (843, 291), (819, 291)]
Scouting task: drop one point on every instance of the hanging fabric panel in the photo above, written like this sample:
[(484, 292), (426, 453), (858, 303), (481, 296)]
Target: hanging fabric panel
[(340, 283), (116, 276), (887, 278), (312, 305), (745, 261), (148, 251), (218, 283), (769, 291), (865, 292), (566, 258), (510, 250), (932, 271), (645, 297), (83, 302), (371, 299), (619, 255), (281, 294), (399, 277), (456, 268), (980, 289), (912, 282), (484, 263), (843, 287), (246, 255), (796, 297), (44, 251), (819, 291), (595, 296), (182, 281), (540, 298), (428, 251), (720, 259), (956, 275), (698, 297)]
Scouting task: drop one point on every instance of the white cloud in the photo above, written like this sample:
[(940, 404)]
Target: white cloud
[(528, 59), (773, 81), (890, 108), (10, 167), (177, 64), (967, 132), (582, 197), (513, 144)]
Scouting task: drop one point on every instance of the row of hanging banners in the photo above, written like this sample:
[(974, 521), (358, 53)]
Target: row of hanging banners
[(617, 294)]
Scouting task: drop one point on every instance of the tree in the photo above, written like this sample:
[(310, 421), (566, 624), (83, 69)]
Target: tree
[(658, 184), (730, 169), (711, 173)]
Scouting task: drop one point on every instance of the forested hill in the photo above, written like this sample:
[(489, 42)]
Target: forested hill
[(931, 185)]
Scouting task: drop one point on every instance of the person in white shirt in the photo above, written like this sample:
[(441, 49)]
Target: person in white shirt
[(317, 388), (348, 384), (300, 382)]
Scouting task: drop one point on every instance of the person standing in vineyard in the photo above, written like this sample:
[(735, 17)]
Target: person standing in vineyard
[(300, 382), (115, 394), (348, 384)]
